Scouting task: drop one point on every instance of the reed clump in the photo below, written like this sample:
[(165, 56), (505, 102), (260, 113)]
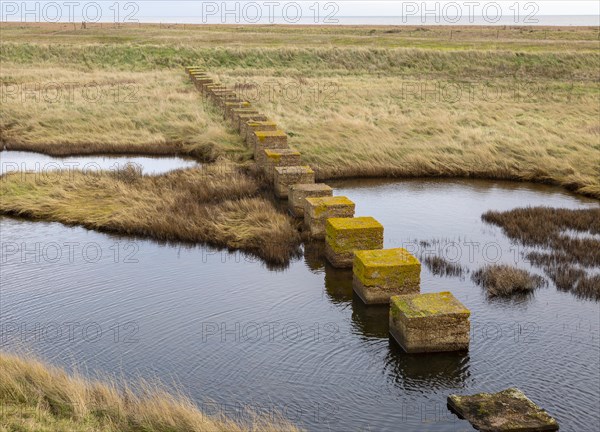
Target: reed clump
[(566, 243), (505, 281)]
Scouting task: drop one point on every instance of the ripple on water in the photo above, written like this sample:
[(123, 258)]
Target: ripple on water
[(328, 363)]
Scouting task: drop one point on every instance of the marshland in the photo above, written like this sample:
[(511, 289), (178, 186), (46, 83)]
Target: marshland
[(478, 153)]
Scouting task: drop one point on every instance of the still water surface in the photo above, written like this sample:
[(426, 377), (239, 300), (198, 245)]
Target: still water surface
[(18, 161), (234, 334)]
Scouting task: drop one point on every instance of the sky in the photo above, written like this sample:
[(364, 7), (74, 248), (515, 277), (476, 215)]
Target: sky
[(307, 11)]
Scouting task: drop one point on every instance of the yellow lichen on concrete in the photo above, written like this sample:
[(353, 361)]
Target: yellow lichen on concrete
[(428, 305), (300, 192), (343, 236), (286, 176), (388, 269)]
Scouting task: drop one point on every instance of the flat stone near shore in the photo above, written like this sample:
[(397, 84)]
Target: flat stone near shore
[(506, 411)]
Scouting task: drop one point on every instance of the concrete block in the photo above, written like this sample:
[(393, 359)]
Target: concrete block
[(287, 176), (299, 193), (263, 140), (343, 236), (244, 118), (273, 158), (248, 129), (429, 322), (318, 209), (381, 273)]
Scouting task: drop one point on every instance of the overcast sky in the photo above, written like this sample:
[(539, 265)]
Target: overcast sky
[(303, 11)]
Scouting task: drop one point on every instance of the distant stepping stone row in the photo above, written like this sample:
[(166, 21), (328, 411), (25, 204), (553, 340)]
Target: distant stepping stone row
[(420, 323)]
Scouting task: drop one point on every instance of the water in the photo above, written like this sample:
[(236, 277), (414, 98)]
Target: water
[(234, 334), (18, 161)]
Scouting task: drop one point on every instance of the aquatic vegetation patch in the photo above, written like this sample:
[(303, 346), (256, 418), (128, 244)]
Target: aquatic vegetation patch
[(440, 266), (504, 281), (566, 259)]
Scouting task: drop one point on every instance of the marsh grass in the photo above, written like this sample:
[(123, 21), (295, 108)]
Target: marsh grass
[(505, 281), (37, 397), (352, 118), (219, 205), (563, 257)]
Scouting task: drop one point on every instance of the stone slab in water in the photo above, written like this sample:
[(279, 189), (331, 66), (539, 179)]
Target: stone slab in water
[(506, 411), (299, 192), (343, 236), (381, 273), (432, 322)]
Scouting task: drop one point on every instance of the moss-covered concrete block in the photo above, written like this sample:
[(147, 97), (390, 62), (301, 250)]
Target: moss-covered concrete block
[(263, 140), (248, 129), (343, 236), (273, 158), (433, 322), (287, 176), (506, 411), (299, 192), (381, 273), (318, 209)]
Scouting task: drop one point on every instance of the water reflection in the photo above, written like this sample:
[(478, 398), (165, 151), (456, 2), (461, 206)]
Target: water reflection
[(433, 371), (19, 161)]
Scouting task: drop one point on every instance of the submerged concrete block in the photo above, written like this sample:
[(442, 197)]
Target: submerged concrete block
[(343, 236), (429, 322), (273, 158), (263, 140), (287, 176), (380, 274), (299, 192), (248, 129), (506, 411), (244, 118), (318, 209)]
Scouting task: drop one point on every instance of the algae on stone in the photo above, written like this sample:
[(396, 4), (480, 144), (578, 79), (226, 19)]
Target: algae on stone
[(506, 411)]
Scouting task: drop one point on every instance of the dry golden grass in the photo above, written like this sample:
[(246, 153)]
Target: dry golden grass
[(62, 111), (36, 397), (217, 204), (362, 126)]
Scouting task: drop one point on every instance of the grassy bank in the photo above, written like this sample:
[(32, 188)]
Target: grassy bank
[(217, 204), (37, 397), (502, 103)]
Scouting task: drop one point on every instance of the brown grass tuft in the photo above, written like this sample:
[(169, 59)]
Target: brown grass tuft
[(504, 281), (218, 205), (38, 397)]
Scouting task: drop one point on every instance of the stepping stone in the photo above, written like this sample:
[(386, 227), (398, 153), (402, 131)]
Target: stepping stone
[(380, 274), (343, 236), (234, 113), (318, 209), (222, 100), (207, 87), (299, 193), (228, 106), (507, 411), (273, 158), (247, 131), (244, 118), (429, 322), (276, 139), (287, 176)]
